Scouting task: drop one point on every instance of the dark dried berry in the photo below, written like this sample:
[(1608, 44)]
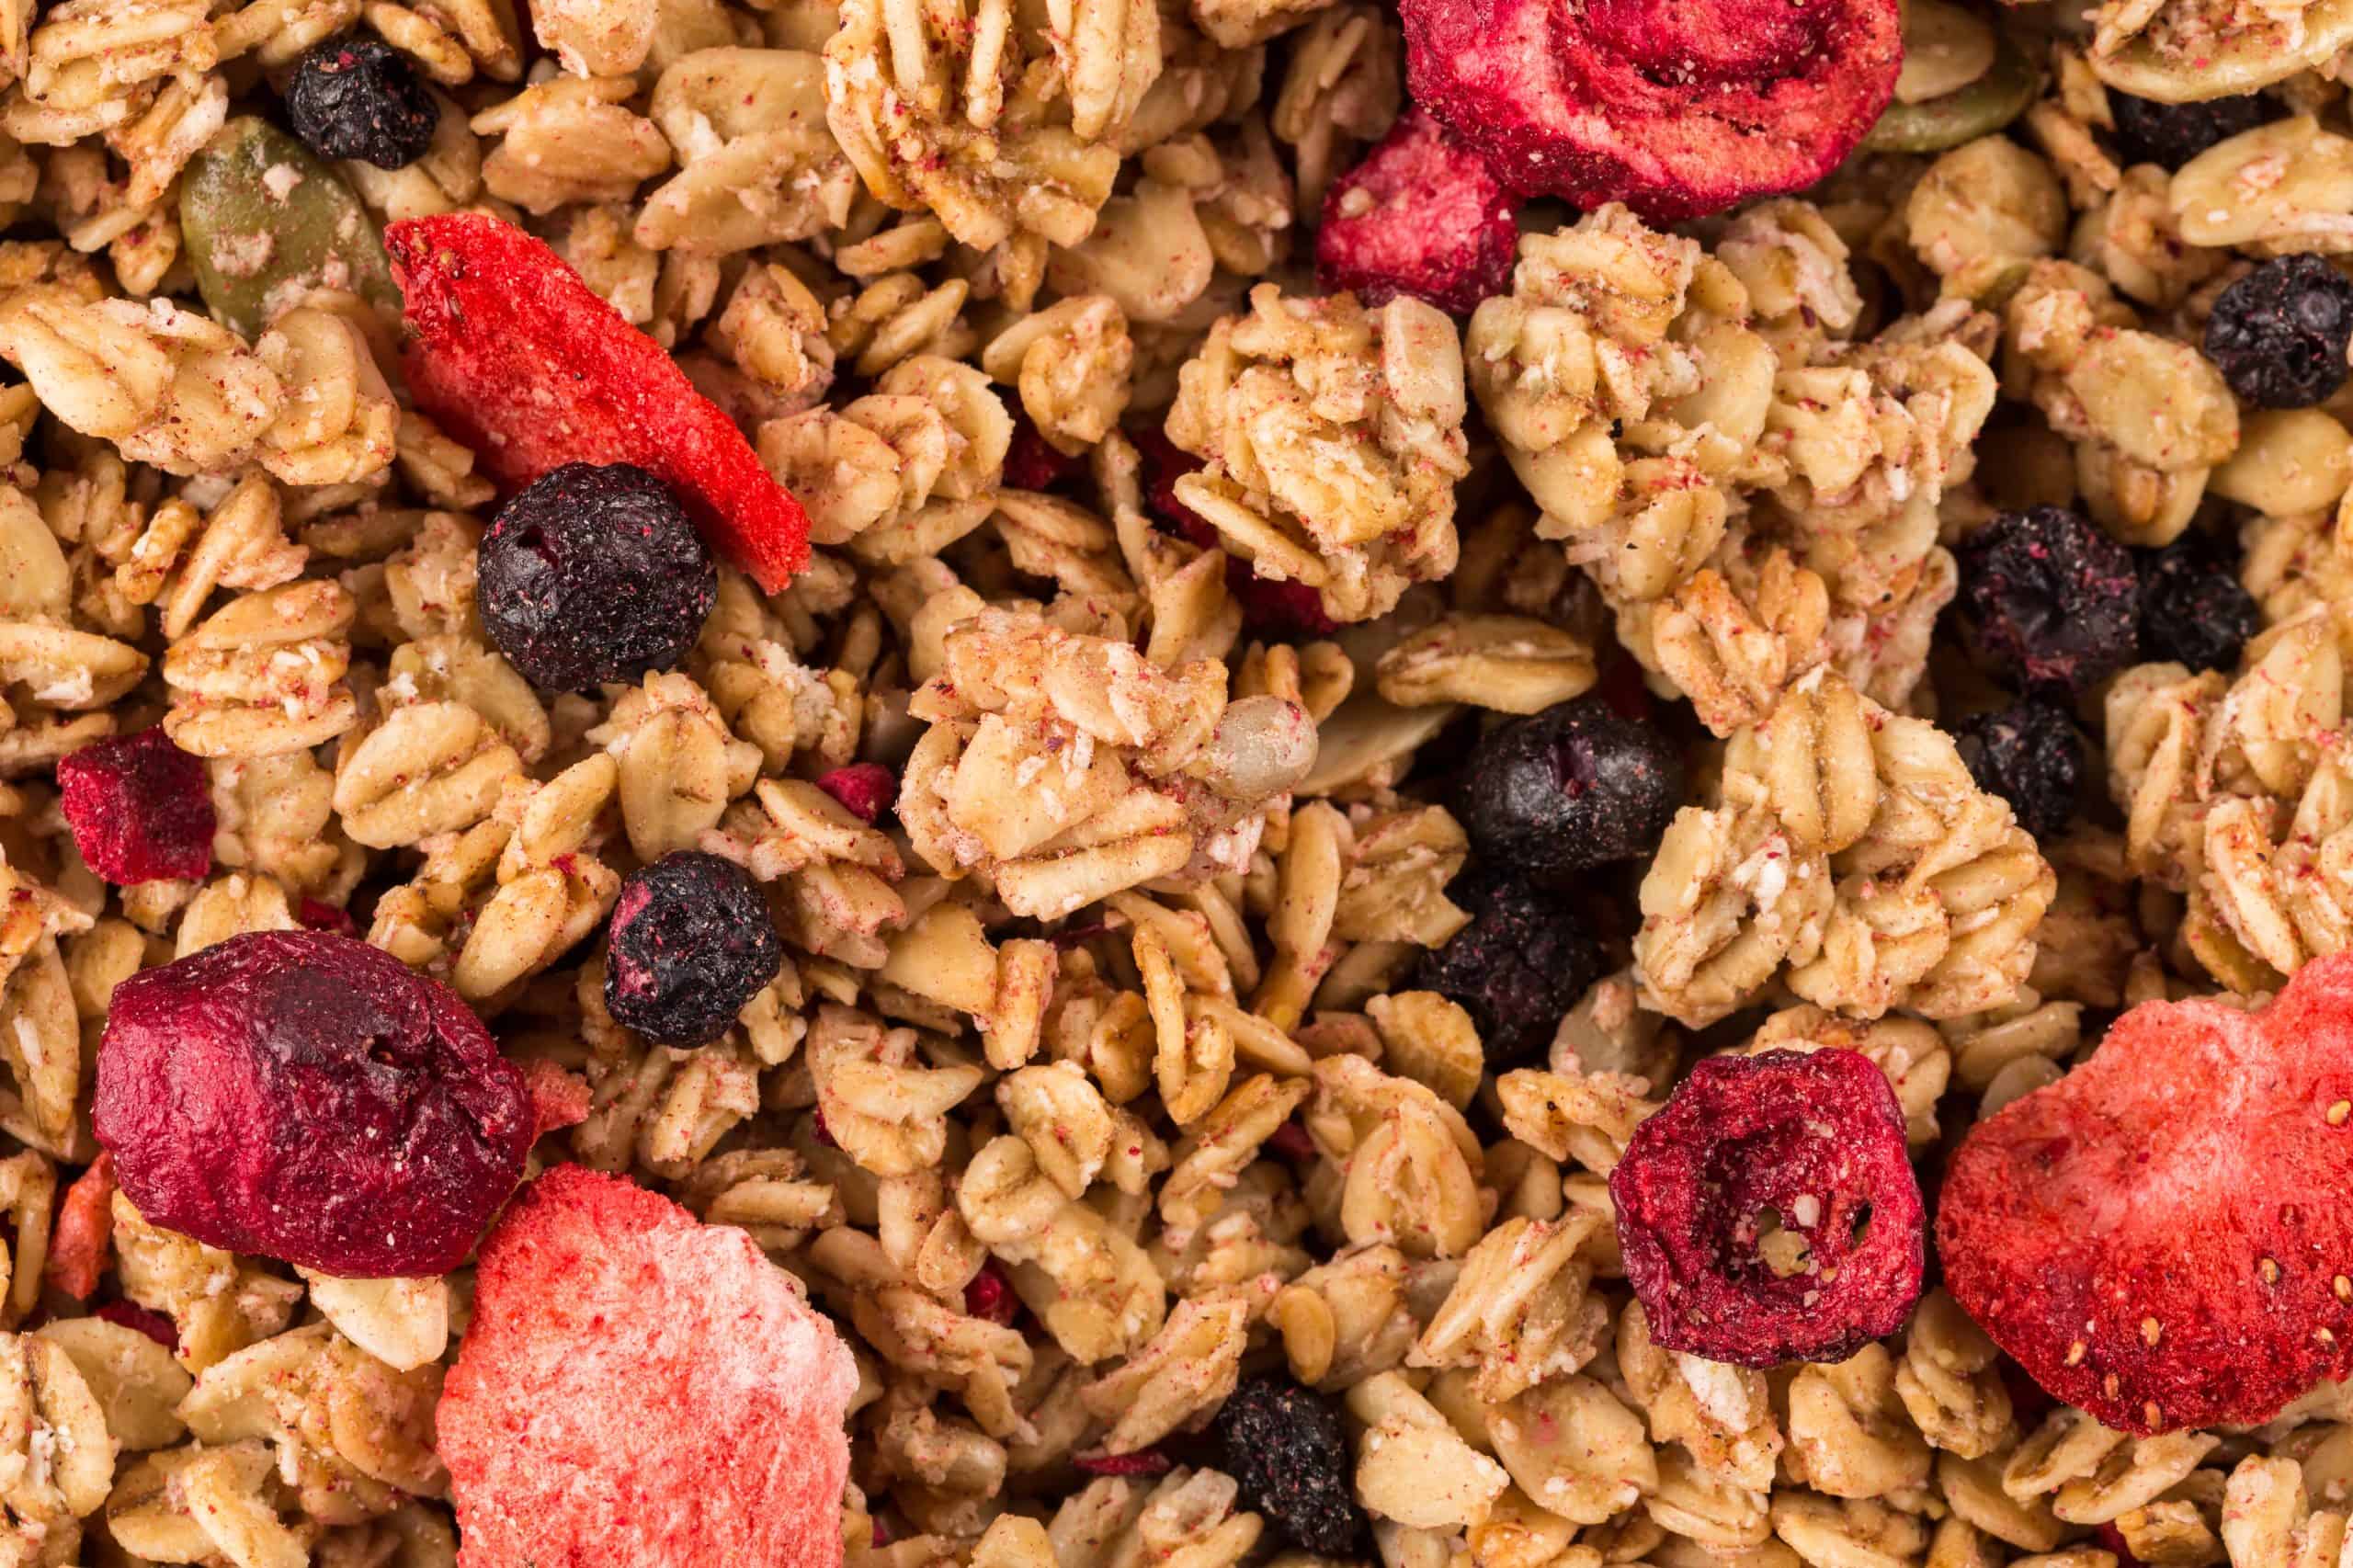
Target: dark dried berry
[(1574, 786), (2193, 610), (2279, 334), (1770, 1212), (308, 1097), (692, 941), (1521, 965), (2170, 135), (1284, 1445), (2049, 600), (357, 97), (592, 573), (2030, 754), (141, 808)]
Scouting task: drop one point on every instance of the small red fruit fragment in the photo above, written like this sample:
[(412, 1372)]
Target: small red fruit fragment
[(317, 915), (1283, 609), (132, 1316), (559, 1099), (1422, 215), (637, 1386), (1769, 1213), (77, 1247), (990, 1296), (2160, 1236), (141, 809), (305, 1096), (520, 360), (1030, 464), (1676, 110), (865, 789), (1143, 1461)]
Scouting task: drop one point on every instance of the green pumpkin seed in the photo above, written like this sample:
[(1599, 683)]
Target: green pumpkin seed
[(1982, 107), (266, 222)]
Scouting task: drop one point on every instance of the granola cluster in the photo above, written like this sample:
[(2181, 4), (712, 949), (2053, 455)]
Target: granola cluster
[(1230, 951)]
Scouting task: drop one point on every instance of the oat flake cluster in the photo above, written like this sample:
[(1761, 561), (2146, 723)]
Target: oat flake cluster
[(1291, 637)]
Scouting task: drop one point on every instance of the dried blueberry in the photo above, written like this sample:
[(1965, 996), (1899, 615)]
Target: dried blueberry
[(2027, 754), (1521, 965), (2051, 602), (1574, 786), (307, 1098), (357, 97), (2193, 610), (141, 808), (594, 573), (692, 941), (1285, 1447), (2279, 334), (1770, 1212), (2170, 135)]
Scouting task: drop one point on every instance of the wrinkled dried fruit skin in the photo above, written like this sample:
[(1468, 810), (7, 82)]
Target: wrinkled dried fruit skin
[(2030, 754), (357, 97), (2169, 135), (1286, 1447), (692, 941), (2279, 334), (1811, 1136), (266, 223), (306, 1097), (1521, 965), (2053, 603), (592, 574), (1281, 608), (639, 1388), (2152, 1183), (2194, 610), (1421, 215), (522, 362), (141, 808), (1674, 110), (1569, 789)]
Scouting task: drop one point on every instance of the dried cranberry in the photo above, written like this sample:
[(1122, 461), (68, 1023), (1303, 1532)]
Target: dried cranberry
[(594, 573), (2051, 602), (1568, 788), (307, 1098), (1770, 1212), (141, 808), (1521, 965), (1031, 462), (1144, 1462), (990, 1296), (865, 789), (692, 942), (317, 917), (1285, 1447), (1267, 605)]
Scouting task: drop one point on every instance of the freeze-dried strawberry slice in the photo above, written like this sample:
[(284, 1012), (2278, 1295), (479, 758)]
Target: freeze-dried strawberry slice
[(1769, 1213), (2162, 1237), (521, 361), (1422, 215), (77, 1247), (637, 1386), (1676, 110)]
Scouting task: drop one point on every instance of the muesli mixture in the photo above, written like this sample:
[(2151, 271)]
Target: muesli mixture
[(1465, 784)]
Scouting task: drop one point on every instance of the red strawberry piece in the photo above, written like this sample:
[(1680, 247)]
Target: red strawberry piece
[(559, 1099), (132, 1316), (521, 361), (2160, 1236), (639, 1388), (141, 808), (309, 1097), (77, 1247), (989, 1295), (1143, 1461), (1769, 1213), (865, 789), (1285, 609), (1421, 215), (1676, 110)]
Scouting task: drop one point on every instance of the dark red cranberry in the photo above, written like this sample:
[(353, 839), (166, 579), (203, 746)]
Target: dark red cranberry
[(865, 789), (141, 809)]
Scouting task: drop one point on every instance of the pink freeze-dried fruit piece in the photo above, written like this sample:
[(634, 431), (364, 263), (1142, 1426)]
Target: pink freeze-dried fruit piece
[(2159, 1236), (1676, 110), (307, 1098), (639, 1388), (1422, 215), (141, 808), (1770, 1212), (84, 1230), (865, 789)]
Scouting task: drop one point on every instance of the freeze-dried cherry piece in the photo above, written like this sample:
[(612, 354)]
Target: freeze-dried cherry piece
[(305, 1096), (865, 789), (1770, 1212), (141, 808), (520, 360), (1676, 110), (1421, 215)]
